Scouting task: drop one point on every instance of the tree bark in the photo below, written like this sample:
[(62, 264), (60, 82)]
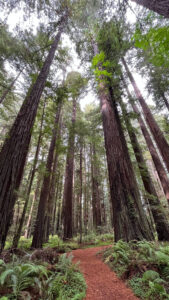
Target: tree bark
[(158, 213), (155, 157), (129, 223), (14, 151), (18, 233), (40, 220), (159, 6), (155, 130), (80, 192), (68, 185), (96, 201)]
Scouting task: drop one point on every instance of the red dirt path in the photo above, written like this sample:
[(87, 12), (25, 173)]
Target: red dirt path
[(102, 283)]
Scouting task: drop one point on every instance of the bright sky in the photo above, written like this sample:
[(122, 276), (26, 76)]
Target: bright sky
[(16, 18)]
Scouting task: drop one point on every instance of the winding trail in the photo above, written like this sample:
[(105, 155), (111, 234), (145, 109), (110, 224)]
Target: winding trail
[(102, 283)]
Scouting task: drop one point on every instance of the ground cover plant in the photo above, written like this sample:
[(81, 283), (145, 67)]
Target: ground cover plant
[(39, 279), (144, 265)]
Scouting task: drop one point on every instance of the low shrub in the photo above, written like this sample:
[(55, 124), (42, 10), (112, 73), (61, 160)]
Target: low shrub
[(39, 280), (145, 266)]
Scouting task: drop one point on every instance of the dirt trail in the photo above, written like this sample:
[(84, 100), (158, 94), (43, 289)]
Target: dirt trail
[(102, 283)]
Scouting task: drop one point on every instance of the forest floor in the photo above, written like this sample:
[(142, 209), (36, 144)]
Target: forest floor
[(101, 282)]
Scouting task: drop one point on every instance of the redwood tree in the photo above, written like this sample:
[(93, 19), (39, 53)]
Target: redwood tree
[(158, 213), (128, 215), (40, 219), (155, 157), (14, 151), (155, 130), (159, 6)]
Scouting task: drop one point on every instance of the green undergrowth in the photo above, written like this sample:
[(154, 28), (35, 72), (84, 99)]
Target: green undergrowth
[(144, 265), (90, 240), (24, 279)]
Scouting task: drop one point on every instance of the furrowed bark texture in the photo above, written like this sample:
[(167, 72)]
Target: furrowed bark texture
[(40, 219), (159, 6), (158, 213), (123, 188), (155, 130), (155, 157), (96, 201), (129, 222), (18, 233), (68, 185), (14, 151)]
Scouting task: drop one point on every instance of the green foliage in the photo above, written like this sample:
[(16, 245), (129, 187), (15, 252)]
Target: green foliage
[(156, 43), (63, 281), (144, 264)]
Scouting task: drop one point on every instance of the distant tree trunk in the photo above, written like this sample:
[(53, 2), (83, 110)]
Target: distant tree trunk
[(85, 195), (39, 225), (68, 185), (155, 157), (159, 6), (96, 201), (155, 130), (50, 204), (129, 224), (165, 100), (158, 213), (53, 231), (59, 212), (2, 98), (18, 233), (80, 193), (14, 151)]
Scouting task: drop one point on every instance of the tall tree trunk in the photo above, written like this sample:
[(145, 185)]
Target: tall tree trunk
[(129, 224), (68, 185), (14, 151), (155, 130), (96, 201), (18, 233), (155, 157), (159, 6), (60, 204), (85, 194), (35, 199), (80, 192), (51, 198), (39, 225), (158, 213), (9, 88)]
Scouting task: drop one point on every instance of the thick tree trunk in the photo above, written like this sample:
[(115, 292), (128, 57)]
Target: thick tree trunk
[(9, 88), (159, 6), (155, 157), (40, 220), (129, 223), (68, 185), (14, 151), (158, 213), (155, 130), (18, 233), (96, 201)]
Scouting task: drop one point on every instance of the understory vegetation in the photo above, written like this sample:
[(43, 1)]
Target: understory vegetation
[(144, 265), (47, 277)]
